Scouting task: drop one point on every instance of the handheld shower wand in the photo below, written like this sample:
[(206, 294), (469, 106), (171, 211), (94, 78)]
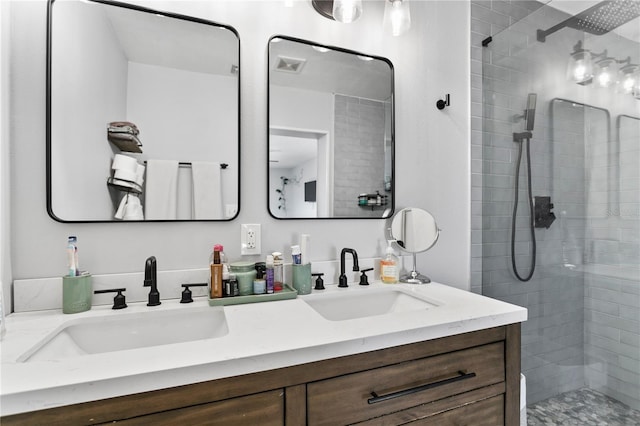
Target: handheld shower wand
[(521, 139), (530, 112)]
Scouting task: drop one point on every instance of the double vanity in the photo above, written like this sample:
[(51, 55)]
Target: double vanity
[(364, 354)]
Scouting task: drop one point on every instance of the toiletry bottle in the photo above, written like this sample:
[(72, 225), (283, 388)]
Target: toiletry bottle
[(278, 271), (389, 270), (269, 273), (72, 256), (224, 262), (216, 276), (296, 256)]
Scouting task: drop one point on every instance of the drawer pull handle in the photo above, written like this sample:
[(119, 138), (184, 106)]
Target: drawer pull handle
[(380, 398)]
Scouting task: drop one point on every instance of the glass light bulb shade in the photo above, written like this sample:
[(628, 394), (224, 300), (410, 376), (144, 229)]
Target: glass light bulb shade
[(635, 90), (627, 79), (580, 68), (397, 17), (605, 73), (347, 11)]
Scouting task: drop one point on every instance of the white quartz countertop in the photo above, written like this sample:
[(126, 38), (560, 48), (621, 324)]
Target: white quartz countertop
[(261, 336)]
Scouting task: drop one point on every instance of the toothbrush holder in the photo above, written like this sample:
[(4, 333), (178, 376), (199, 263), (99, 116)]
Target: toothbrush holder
[(302, 278), (76, 294)]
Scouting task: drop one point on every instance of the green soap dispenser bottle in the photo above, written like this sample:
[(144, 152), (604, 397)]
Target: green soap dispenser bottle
[(390, 266)]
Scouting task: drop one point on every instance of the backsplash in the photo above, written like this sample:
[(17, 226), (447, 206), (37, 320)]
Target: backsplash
[(46, 293)]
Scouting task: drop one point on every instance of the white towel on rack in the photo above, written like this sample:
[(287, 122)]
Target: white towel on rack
[(207, 190), (160, 197)]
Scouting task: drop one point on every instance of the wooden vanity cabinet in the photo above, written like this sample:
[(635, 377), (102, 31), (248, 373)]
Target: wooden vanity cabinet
[(470, 378)]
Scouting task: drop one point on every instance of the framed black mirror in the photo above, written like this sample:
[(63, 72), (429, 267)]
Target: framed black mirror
[(143, 118), (331, 132), (628, 129)]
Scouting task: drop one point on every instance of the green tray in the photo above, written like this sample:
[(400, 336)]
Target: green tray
[(286, 293)]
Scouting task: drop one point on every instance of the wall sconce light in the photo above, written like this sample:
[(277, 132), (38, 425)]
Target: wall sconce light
[(629, 78), (580, 67), (347, 11), (397, 17), (606, 71), (396, 20)]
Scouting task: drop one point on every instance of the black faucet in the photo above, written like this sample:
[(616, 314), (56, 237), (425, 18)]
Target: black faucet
[(150, 280), (342, 280)]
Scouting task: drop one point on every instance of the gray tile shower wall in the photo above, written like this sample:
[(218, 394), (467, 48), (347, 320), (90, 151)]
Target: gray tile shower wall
[(366, 122), (582, 329)]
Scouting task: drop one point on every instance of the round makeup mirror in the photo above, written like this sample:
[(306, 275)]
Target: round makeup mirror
[(415, 230)]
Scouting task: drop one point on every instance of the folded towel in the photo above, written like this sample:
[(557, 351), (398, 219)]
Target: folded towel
[(124, 124), (161, 189), (207, 190), (125, 141), (130, 208)]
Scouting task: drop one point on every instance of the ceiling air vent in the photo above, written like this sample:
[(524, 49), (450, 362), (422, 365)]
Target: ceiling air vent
[(290, 65)]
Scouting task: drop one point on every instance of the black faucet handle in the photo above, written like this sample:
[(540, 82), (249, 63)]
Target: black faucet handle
[(319, 281), (186, 293), (119, 301), (364, 280)]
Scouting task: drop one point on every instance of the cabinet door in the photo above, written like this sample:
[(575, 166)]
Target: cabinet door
[(265, 409), (373, 393)]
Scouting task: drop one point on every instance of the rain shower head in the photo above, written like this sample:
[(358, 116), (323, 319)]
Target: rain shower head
[(598, 19)]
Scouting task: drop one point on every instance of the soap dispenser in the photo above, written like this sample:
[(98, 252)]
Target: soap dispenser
[(389, 266)]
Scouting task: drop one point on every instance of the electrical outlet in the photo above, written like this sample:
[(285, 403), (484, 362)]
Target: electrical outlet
[(250, 238)]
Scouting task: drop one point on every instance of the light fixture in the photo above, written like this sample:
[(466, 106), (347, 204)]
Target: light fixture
[(397, 17), (580, 67), (628, 77), (347, 11), (605, 72)]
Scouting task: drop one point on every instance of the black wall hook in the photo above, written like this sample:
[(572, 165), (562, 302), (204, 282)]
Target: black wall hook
[(443, 103)]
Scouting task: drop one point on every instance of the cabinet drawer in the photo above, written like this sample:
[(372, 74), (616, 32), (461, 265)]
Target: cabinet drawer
[(266, 408), (373, 393), (489, 412)]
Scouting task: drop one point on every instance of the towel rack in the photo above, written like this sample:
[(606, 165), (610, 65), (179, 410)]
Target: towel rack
[(223, 166)]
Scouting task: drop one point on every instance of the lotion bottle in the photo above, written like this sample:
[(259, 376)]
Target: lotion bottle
[(389, 266)]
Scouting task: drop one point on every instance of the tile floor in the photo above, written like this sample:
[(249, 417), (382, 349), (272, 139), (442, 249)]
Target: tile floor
[(583, 407)]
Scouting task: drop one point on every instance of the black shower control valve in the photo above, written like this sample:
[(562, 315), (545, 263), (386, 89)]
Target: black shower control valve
[(319, 281), (186, 293), (119, 301), (543, 216), (364, 280)]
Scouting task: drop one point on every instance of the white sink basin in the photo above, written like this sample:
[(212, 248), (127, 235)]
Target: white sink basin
[(366, 302), (122, 331)]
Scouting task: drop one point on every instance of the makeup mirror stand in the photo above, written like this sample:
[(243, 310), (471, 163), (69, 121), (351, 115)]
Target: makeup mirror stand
[(414, 277), (414, 230)]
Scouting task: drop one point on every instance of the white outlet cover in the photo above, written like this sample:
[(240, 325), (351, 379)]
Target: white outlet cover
[(250, 239)]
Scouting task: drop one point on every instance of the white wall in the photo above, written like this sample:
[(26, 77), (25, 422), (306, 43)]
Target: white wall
[(432, 164), (5, 218)]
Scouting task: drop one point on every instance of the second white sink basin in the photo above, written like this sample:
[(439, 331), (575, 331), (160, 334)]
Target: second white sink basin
[(122, 331), (366, 302)]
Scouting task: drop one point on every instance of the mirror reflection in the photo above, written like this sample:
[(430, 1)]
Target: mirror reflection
[(628, 137), (331, 139), (576, 194), (142, 113), (415, 230)]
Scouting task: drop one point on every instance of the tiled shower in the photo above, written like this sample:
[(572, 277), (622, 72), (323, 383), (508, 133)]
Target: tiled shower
[(584, 297)]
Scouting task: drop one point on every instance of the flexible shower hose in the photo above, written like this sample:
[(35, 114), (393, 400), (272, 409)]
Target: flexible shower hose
[(515, 212)]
